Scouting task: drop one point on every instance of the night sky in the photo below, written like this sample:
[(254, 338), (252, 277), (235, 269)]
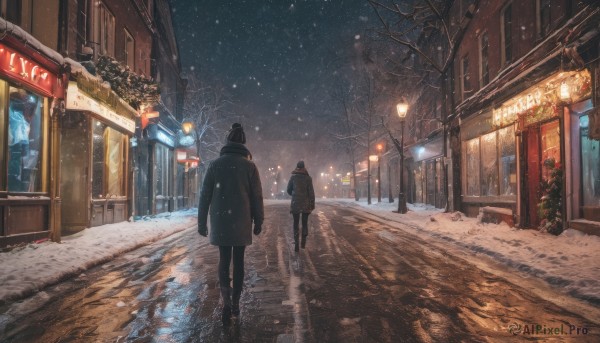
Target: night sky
[(274, 56)]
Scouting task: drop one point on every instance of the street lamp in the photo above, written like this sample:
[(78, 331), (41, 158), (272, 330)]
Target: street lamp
[(402, 108), (379, 149), (372, 158)]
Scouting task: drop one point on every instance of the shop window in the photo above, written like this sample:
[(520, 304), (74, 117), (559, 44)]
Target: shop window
[(430, 182), (484, 70), (25, 141), (105, 30), (489, 165), (508, 161), (108, 162), (506, 34), (162, 170), (590, 166), (472, 167), (418, 173)]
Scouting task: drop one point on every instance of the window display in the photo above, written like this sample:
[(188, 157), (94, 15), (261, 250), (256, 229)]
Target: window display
[(590, 169), (108, 179), (472, 167), (489, 165), (25, 127), (162, 170), (508, 161)]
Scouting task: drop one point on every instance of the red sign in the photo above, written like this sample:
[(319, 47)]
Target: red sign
[(22, 69)]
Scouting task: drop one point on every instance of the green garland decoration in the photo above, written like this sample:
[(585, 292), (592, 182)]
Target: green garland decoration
[(550, 205), (132, 88)]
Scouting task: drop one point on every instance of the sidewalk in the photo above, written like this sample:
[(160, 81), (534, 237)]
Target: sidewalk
[(569, 263), (26, 270)]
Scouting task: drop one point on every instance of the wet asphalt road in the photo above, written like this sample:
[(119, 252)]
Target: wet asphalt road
[(348, 285)]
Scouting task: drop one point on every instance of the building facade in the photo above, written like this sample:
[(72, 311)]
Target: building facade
[(31, 92), (524, 81), (68, 139)]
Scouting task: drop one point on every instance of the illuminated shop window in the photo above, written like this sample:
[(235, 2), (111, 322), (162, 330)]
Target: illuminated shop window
[(108, 162), (25, 140)]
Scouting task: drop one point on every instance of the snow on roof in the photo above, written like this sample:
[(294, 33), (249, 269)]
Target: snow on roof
[(493, 88), (9, 28)]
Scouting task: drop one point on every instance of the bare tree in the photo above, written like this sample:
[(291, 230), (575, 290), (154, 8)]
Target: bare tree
[(359, 96), (428, 38), (207, 106)]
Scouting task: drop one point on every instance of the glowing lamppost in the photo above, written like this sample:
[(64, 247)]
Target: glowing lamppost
[(379, 150), (402, 108)]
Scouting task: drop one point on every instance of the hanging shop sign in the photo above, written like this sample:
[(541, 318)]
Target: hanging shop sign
[(155, 133), (543, 100), (23, 69), (79, 101)]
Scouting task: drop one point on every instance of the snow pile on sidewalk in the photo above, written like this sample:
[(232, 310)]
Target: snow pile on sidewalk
[(570, 262), (25, 270)]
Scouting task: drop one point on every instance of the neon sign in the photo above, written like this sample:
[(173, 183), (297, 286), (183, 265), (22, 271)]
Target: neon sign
[(22, 69)]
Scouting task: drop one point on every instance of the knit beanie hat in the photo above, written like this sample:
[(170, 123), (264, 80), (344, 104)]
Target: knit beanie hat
[(236, 134), (300, 164)]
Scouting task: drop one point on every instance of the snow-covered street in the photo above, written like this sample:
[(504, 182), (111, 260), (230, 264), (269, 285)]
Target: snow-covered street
[(424, 252)]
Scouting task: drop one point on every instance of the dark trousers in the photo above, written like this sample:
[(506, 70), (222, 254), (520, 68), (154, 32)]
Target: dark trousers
[(225, 253), (304, 225)]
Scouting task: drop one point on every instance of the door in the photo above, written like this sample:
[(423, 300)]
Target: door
[(542, 143), (74, 153)]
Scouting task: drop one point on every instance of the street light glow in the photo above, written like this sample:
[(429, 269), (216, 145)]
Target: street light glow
[(402, 108)]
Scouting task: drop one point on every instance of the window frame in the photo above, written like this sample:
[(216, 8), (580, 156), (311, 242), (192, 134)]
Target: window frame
[(540, 7), (464, 74), (484, 59), (42, 141), (478, 179), (129, 39), (506, 45), (105, 30)]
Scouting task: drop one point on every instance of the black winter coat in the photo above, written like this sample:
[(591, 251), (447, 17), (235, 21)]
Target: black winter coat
[(233, 192), (300, 187)]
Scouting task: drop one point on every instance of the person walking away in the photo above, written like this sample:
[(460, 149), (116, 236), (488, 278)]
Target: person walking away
[(300, 187), (232, 194)]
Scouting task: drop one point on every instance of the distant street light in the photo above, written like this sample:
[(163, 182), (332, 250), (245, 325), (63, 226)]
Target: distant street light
[(402, 108), (379, 150)]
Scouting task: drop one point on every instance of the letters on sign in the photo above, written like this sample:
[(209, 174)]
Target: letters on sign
[(21, 68)]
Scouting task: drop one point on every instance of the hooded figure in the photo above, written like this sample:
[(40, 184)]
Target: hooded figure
[(232, 194), (300, 187)]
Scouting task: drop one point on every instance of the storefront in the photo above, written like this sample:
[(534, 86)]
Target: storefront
[(95, 175), (583, 190), (29, 89), (509, 153), (162, 168), (489, 164), (426, 179)]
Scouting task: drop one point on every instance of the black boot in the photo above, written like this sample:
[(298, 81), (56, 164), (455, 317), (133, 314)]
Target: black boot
[(226, 314), (296, 249), (303, 243), (235, 302)]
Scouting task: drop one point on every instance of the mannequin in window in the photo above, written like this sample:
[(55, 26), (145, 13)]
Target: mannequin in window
[(21, 158)]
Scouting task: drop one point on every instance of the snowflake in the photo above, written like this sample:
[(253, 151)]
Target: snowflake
[(234, 85), (357, 37), (256, 128)]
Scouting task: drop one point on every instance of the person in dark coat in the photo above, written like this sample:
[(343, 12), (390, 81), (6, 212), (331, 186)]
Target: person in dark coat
[(232, 194), (300, 187)]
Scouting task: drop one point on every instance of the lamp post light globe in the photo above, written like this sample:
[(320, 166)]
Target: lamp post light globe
[(402, 108)]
